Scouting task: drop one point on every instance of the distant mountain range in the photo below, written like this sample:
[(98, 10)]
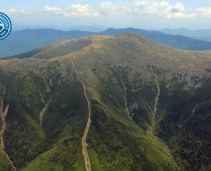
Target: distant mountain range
[(196, 34), (175, 41), (22, 41), (91, 28)]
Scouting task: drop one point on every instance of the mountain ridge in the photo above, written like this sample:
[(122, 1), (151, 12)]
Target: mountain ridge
[(204, 34), (136, 88), (23, 41)]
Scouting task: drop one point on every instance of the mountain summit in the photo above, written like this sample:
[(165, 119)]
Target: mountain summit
[(22, 41), (100, 103)]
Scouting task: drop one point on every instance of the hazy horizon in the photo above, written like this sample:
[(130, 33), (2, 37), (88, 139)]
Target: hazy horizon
[(97, 28)]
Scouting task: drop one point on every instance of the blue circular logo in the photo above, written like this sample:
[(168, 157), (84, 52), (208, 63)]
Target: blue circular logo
[(5, 26)]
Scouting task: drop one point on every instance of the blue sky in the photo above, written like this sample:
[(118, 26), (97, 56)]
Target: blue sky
[(146, 14)]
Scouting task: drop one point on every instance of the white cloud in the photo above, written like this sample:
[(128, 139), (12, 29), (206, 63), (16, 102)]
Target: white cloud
[(143, 7), (79, 10), (51, 9), (16, 11), (75, 10), (205, 11)]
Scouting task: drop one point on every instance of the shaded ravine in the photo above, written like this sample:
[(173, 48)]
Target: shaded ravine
[(168, 151), (84, 144), (4, 125), (44, 110)]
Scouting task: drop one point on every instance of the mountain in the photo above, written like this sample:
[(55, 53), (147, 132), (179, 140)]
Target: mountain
[(175, 41), (22, 41), (179, 31), (94, 28), (100, 103), (195, 34), (90, 28)]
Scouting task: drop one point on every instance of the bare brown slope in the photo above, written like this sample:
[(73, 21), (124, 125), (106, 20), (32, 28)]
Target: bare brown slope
[(129, 47), (132, 48)]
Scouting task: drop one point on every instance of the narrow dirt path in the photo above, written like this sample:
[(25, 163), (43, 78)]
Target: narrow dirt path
[(4, 125), (84, 144), (42, 112)]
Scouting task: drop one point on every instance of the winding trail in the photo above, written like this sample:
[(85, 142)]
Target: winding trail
[(84, 144), (4, 125), (42, 112)]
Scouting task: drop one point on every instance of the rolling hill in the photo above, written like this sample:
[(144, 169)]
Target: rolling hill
[(121, 102)]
